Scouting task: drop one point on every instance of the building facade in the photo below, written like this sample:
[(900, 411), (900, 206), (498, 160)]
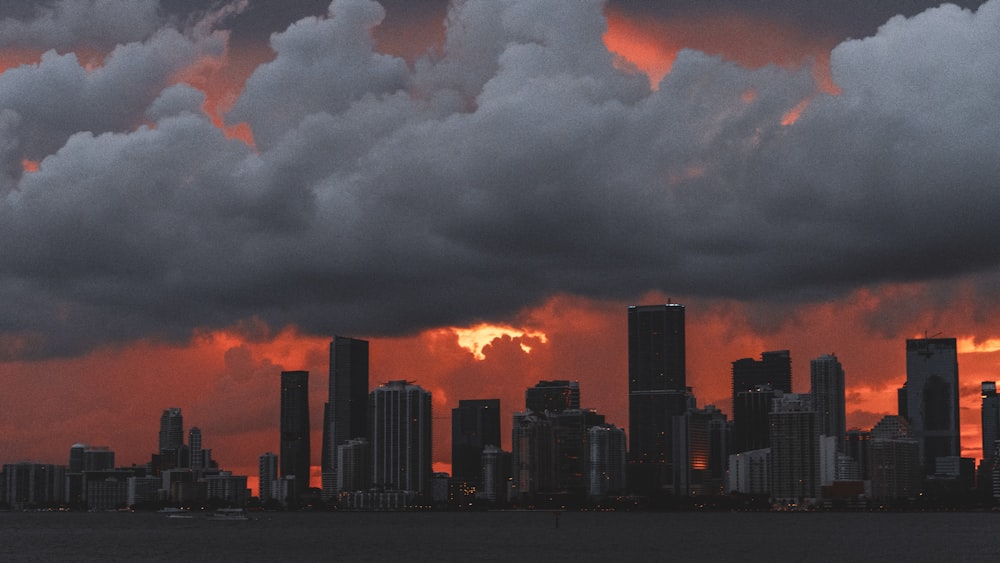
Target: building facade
[(400, 426), (345, 414), (794, 450), (475, 424), (295, 453), (929, 399), (826, 376), (657, 396)]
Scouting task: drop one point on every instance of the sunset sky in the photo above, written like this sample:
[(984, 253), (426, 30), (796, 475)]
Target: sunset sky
[(197, 195)]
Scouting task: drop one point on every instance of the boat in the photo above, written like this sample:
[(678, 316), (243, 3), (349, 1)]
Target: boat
[(229, 514)]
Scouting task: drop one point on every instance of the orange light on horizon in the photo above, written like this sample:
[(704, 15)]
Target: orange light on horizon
[(477, 337)]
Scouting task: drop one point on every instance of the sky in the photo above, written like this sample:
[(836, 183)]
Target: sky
[(195, 196)]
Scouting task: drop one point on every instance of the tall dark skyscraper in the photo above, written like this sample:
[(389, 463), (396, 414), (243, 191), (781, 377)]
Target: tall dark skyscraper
[(657, 394), (751, 423), (345, 414), (827, 380), (991, 419), (294, 456), (930, 396), (171, 438), (475, 424)]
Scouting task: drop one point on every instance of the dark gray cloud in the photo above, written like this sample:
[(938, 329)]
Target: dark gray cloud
[(518, 163)]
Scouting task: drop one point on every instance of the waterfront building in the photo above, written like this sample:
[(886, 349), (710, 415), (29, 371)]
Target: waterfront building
[(401, 437), (475, 424), (794, 450), (750, 472), (606, 457), (32, 485), (295, 452), (658, 397), (858, 447), (345, 414), (773, 370), (496, 475), (267, 471), (895, 460), (990, 419), (171, 438), (826, 376), (533, 453), (195, 451), (354, 465), (751, 423), (929, 399)]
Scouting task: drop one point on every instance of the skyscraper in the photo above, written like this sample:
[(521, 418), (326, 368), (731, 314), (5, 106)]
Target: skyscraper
[(751, 425), (171, 438), (827, 378), (657, 394), (268, 477), (475, 424), (794, 449), (991, 419), (345, 414), (931, 398), (197, 454), (294, 456), (401, 437)]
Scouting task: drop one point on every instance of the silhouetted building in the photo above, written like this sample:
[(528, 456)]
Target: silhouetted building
[(553, 396), (931, 398), (401, 437), (76, 458), (171, 438), (195, 450), (98, 458), (657, 396), (533, 453), (895, 461), (794, 449), (774, 370), (707, 451), (606, 460), (496, 475), (827, 378), (570, 428), (354, 465), (475, 424), (858, 447), (32, 485), (295, 453), (990, 419), (345, 414), (751, 424), (267, 471)]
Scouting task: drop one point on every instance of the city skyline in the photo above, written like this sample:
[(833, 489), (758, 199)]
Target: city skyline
[(479, 193)]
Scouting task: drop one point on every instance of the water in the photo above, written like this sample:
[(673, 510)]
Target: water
[(502, 536)]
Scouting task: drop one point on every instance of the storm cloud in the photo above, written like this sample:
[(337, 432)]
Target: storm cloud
[(519, 161)]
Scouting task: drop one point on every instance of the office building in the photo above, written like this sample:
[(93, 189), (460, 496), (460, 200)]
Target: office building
[(570, 429), (295, 454), (345, 414), (171, 438), (929, 399), (553, 396), (827, 378), (750, 472), (990, 419), (606, 458), (895, 461), (794, 450), (195, 451), (707, 444), (354, 465), (858, 448), (32, 485), (657, 396), (475, 424), (400, 426), (267, 471), (751, 424), (496, 476), (533, 453)]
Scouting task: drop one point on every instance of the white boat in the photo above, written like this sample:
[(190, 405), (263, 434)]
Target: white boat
[(229, 514)]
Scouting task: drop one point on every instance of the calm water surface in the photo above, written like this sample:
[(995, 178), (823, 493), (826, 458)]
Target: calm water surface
[(503, 536)]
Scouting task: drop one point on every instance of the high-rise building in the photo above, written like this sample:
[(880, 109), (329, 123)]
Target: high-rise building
[(496, 475), (751, 425), (400, 426), (827, 378), (991, 419), (171, 438), (475, 424), (196, 452), (930, 395), (345, 414), (533, 453), (706, 431), (774, 370), (858, 447), (794, 449), (605, 460), (295, 454), (657, 395), (570, 428), (268, 477), (554, 396), (895, 460), (354, 465)]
